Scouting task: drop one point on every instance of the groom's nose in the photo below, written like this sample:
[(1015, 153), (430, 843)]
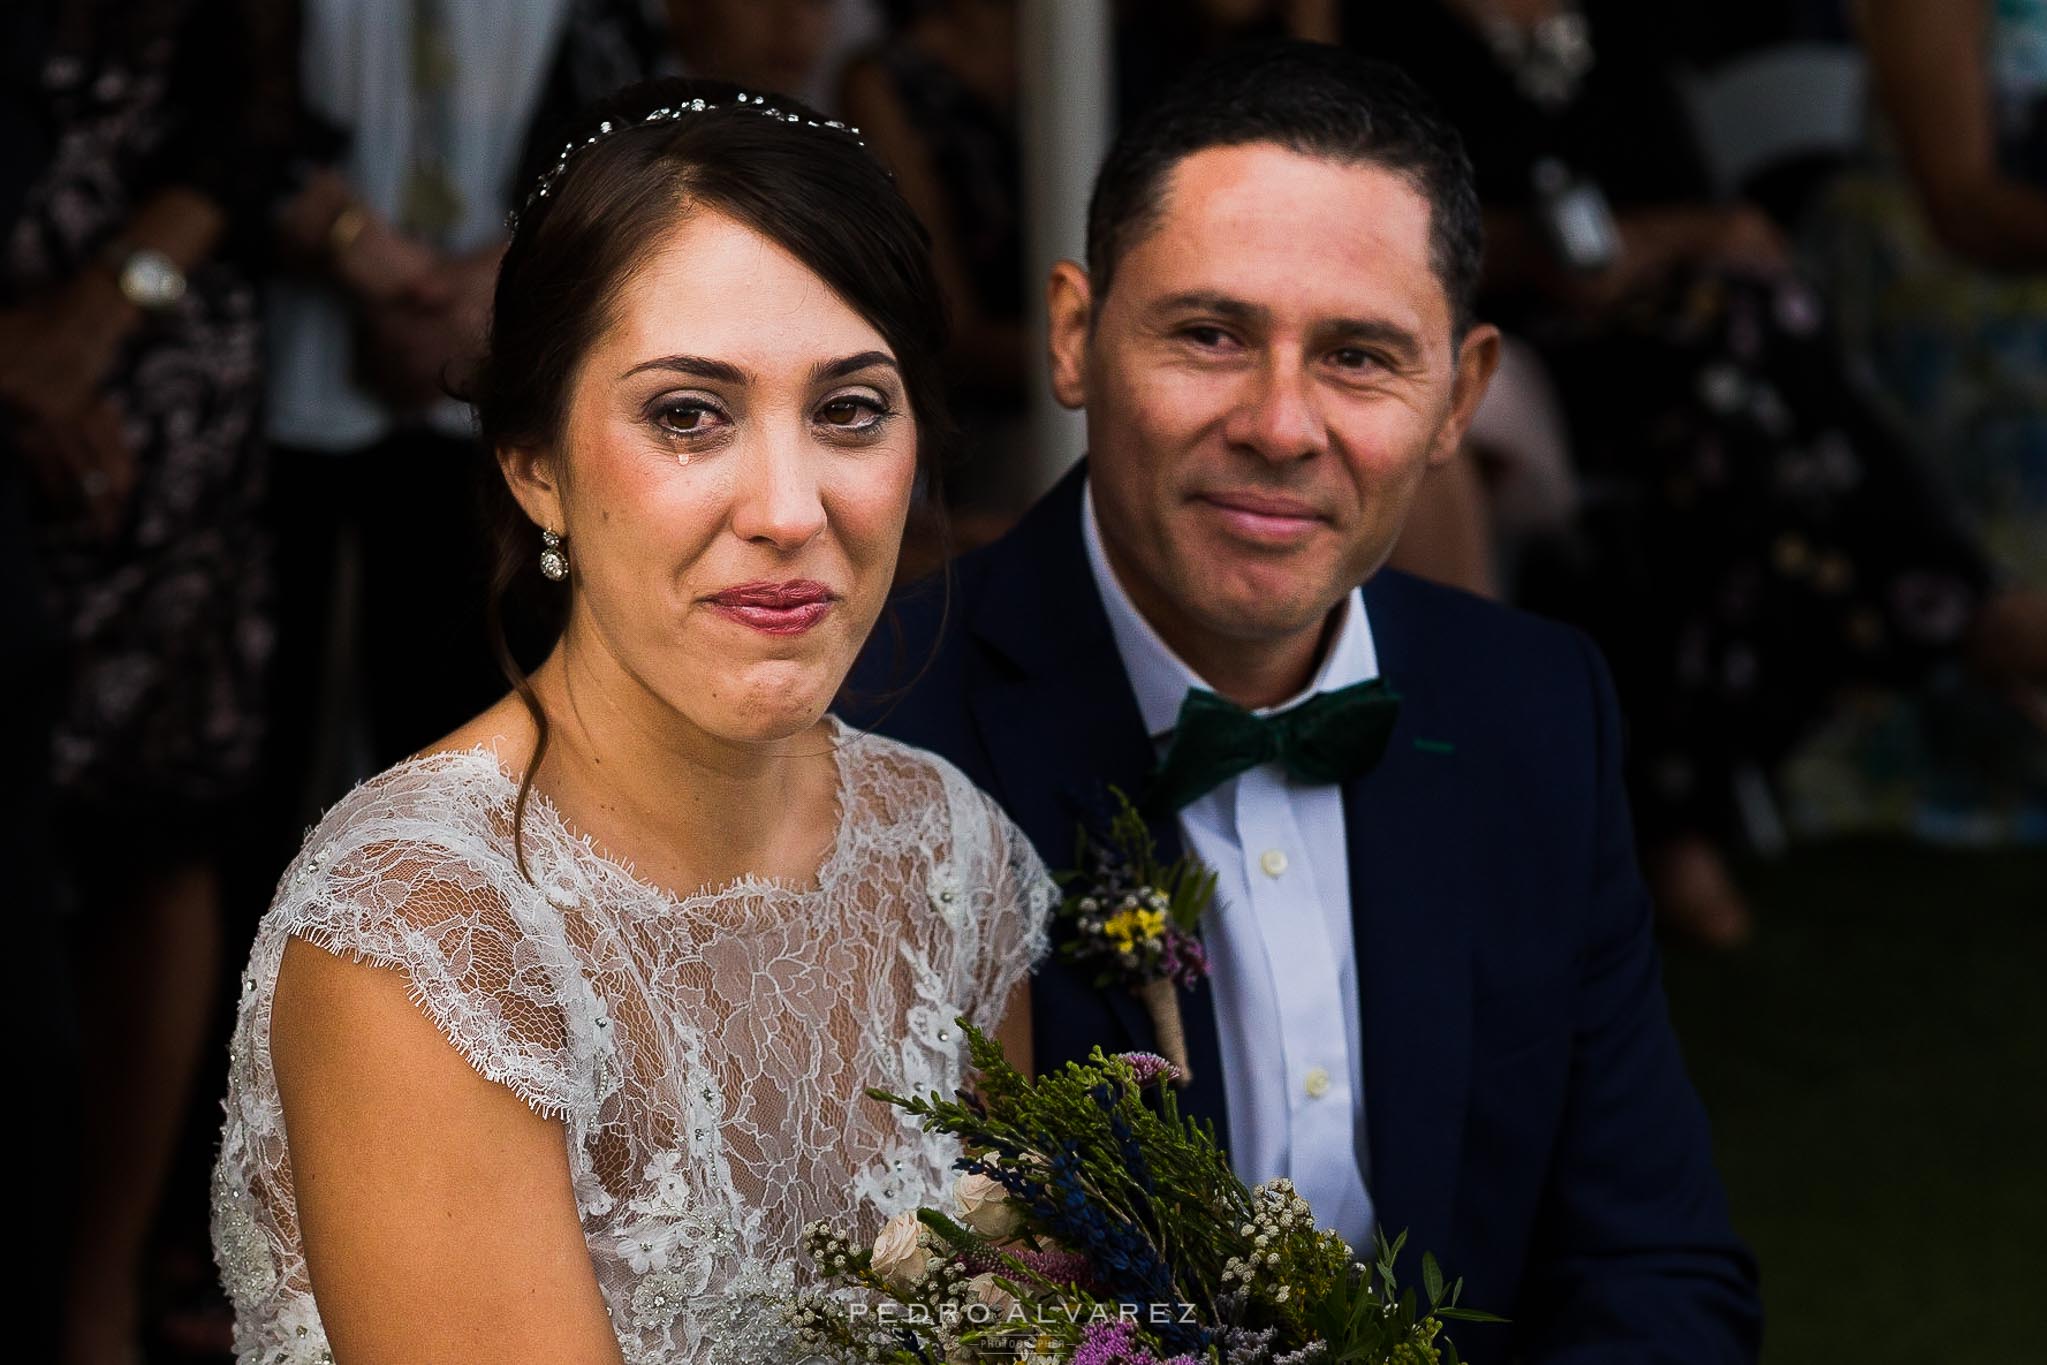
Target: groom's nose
[(1277, 415)]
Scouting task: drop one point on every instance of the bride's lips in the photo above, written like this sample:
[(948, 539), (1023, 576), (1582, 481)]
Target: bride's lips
[(1267, 518), (775, 608)]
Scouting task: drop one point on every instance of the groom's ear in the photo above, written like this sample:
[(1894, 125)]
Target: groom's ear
[(1069, 310), (1477, 358)]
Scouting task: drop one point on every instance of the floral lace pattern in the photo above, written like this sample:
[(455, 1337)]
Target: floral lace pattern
[(708, 1055)]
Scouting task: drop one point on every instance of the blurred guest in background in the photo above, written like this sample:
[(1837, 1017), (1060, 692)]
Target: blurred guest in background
[(129, 373), (793, 46), (1767, 539), (1964, 88), (938, 102), (31, 661), (1509, 491), (605, 46), (1938, 253), (1157, 40), (375, 496), (761, 44)]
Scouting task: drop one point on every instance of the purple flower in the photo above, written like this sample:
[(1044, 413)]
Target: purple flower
[(1060, 1267), (1185, 961), (1113, 1343), (1107, 1343), (1147, 1068)]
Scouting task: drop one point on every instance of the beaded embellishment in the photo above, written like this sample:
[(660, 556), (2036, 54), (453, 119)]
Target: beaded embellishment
[(665, 114)]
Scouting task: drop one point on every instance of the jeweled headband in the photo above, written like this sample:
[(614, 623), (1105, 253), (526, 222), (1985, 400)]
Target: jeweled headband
[(667, 113)]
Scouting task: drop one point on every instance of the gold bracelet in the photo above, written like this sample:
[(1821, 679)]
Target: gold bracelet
[(346, 227)]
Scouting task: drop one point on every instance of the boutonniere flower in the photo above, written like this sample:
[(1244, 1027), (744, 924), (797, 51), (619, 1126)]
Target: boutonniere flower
[(1136, 923)]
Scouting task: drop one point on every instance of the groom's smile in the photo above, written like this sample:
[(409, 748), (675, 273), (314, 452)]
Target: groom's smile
[(1263, 520)]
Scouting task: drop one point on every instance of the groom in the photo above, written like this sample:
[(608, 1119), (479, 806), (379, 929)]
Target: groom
[(1435, 1002)]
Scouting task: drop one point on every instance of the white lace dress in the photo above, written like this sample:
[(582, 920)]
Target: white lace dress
[(708, 1056)]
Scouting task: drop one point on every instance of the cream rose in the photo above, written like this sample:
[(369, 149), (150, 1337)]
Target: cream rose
[(985, 1206), (999, 1301), (899, 1255)]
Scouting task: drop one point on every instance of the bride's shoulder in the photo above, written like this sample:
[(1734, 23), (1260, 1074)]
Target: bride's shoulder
[(460, 787), (985, 878), (437, 790), (443, 812), (898, 779), (417, 869), (903, 786)]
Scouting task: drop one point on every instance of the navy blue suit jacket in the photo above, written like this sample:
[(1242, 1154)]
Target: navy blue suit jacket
[(1529, 1118)]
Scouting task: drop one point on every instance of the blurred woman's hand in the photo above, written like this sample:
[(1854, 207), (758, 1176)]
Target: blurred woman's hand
[(413, 345), (56, 352), (1657, 243), (326, 230), (1741, 237), (383, 266), (55, 355), (83, 462)]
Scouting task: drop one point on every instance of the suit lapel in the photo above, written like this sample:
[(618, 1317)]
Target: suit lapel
[(1412, 918), (1061, 725)]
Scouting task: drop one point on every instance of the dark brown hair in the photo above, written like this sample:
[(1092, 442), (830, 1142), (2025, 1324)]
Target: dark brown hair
[(1313, 99), (806, 185)]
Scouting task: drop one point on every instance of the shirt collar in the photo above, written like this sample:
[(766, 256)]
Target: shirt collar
[(1162, 679)]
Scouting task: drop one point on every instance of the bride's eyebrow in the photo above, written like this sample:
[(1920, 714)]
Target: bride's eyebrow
[(718, 371), (724, 372), (827, 370)]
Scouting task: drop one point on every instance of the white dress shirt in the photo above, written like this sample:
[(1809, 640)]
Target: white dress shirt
[(1279, 933)]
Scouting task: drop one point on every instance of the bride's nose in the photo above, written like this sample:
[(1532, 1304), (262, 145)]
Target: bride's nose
[(779, 502)]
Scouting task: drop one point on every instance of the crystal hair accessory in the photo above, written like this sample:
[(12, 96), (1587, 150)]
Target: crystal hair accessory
[(667, 113)]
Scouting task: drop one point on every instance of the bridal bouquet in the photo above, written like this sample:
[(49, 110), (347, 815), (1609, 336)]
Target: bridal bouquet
[(1094, 1225)]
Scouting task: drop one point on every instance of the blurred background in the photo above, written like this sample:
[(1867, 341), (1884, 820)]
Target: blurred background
[(1772, 426)]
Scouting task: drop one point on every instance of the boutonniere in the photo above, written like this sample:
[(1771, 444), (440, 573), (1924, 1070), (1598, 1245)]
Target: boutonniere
[(1136, 923)]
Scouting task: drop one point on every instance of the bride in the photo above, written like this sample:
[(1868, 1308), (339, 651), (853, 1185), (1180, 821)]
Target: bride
[(558, 1033)]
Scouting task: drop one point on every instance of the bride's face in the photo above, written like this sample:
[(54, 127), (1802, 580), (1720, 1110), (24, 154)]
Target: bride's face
[(737, 467)]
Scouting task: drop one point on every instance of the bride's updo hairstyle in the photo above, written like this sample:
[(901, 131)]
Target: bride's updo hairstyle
[(632, 167)]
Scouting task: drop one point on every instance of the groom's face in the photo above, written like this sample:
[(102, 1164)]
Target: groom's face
[(1270, 374)]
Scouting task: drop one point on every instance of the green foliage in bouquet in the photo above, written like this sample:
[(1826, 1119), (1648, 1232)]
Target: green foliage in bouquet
[(1098, 1226)]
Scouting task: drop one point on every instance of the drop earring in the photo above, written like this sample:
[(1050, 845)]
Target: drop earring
[(554, 561)]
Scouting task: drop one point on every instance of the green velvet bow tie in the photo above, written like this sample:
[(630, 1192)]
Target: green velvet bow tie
[(1331, 737)]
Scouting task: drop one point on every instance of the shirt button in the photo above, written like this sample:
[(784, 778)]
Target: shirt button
[(1317, 1082), (1273, 861)]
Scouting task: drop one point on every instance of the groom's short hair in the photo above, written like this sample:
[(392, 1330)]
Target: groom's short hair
[(1310, 98)]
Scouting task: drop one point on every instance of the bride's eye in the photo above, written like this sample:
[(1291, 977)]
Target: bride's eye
[(853, 413), (687, 417)]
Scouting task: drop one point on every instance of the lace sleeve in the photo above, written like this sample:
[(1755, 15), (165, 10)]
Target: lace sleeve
[(484, 961), (1012, 895)]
